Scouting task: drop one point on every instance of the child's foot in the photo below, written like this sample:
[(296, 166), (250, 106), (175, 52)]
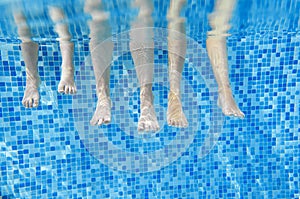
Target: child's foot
[(67, 84), (102, 114), (148, 120), (175, 115), (228, 105), (31, 97)]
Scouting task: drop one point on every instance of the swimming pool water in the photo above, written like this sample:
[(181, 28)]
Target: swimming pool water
[(52, 152)]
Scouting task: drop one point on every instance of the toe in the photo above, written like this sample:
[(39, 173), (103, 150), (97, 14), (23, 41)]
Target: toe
[(27, 103), (172, 123), (169, 122), (147, 127), (156, 127), (186, 124), (93, 121), (227, 112), (70, 90), (176, 123), (61, 88), (24, 103), (230, 113), (30, 103), (100, 122), (106, 120), (241, 113), (73, 90), (66, 91), (35, 103), (150, 127), (180, 124), (141, 126)]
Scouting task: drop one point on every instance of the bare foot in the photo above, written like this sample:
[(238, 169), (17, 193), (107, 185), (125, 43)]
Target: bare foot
[(31, 97), (175, 115), (228, 105), (30, 54), (67, 84), (102, 114), (148, 120)]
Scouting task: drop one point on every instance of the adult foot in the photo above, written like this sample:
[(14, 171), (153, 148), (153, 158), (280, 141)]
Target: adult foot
[(175, 115), (67, 83), (31, 97), (102, 114), (148, 120), (228, 104)]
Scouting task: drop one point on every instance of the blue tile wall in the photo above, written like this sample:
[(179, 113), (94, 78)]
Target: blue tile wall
[(52, 151)]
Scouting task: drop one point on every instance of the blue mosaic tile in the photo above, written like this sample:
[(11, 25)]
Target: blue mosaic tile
[(52, 152)]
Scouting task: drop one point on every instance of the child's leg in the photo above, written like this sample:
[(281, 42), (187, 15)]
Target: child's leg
[(66, 84), (29, 51)]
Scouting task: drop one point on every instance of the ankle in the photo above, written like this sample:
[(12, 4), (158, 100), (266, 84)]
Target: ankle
[(33, 83), (69, 72), (103, 93)]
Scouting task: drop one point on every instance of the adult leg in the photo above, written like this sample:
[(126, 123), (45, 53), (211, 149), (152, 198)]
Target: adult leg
[(176, 55), (142, 51), (101, 52), (217, 53)]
